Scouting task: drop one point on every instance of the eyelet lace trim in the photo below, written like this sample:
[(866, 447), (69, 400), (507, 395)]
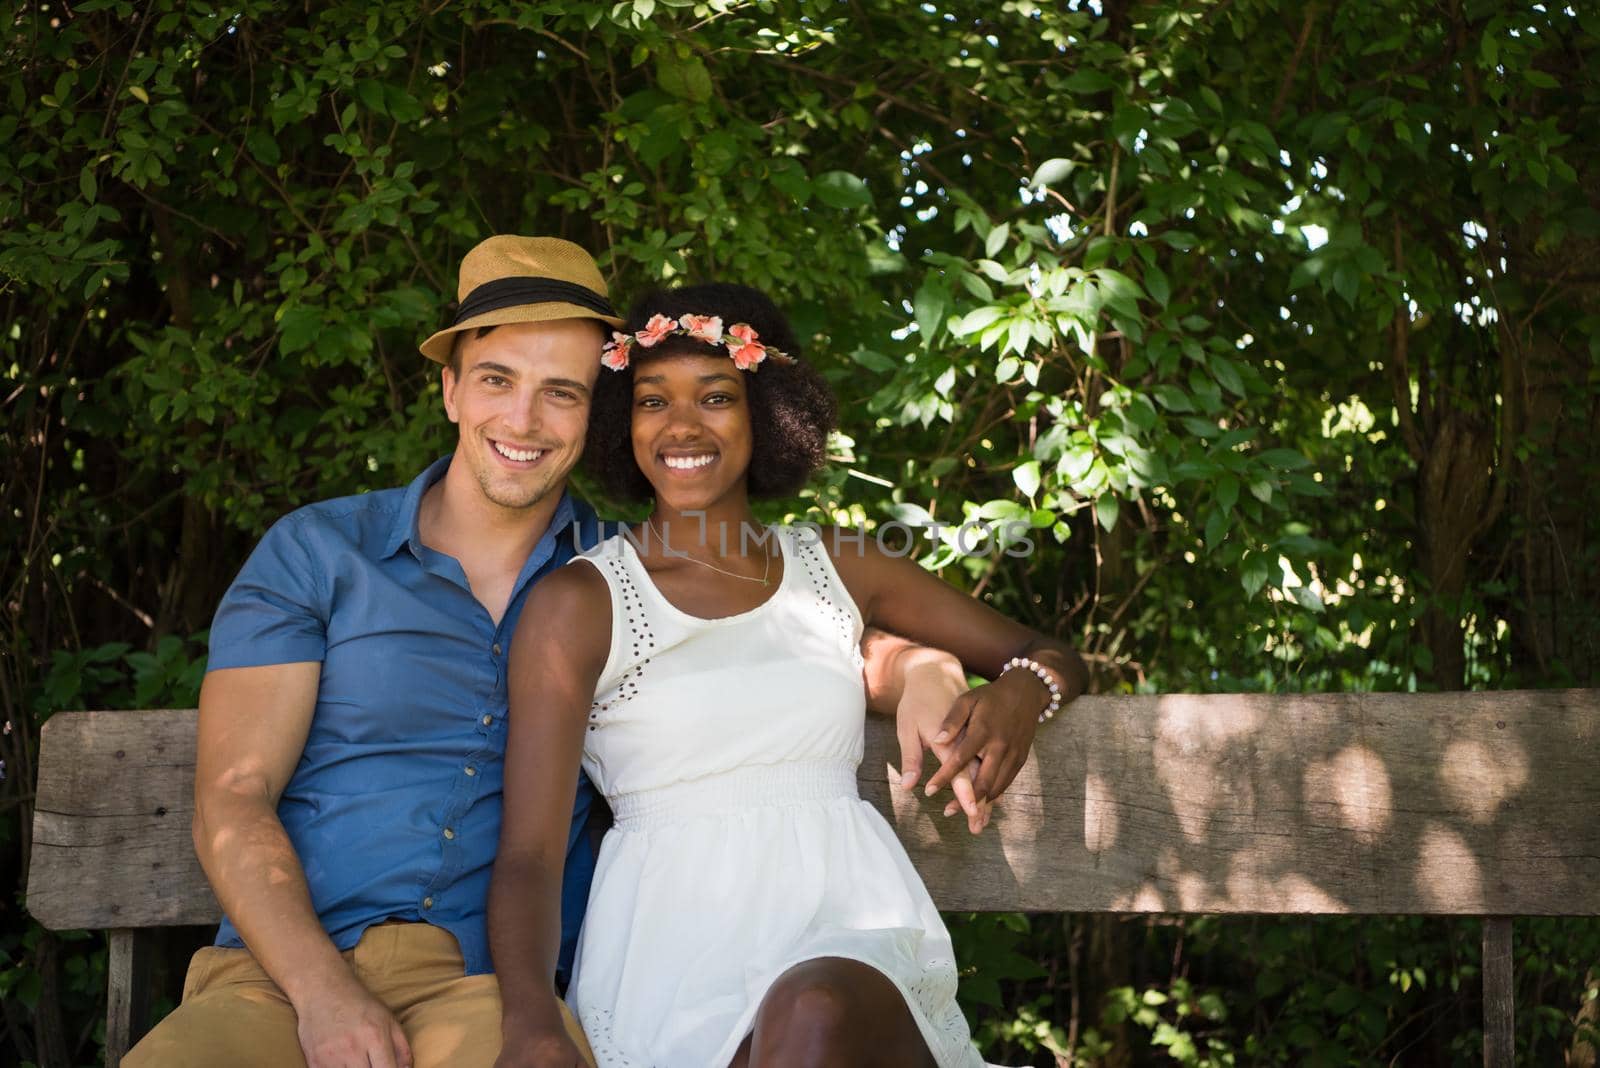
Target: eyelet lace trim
[(639, 639), (829, 593)]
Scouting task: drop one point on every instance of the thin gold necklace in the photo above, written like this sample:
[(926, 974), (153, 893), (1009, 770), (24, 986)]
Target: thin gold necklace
[(694, 560)]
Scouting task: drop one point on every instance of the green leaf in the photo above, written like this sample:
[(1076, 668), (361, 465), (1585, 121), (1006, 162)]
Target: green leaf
[(1052, 171), (86, 184), (976, 320), (1156, 284), (912, 515), (298, 328), (873, 361), (1026, 476), (1106, 508), (1226, 374), (1088, 81), (841, 189), (1227, 493), (1253, 576), (1283, 459), (262, 146), (686, 79), (1347, 282), (996, 239), (1216, 528), (1308, 598), (929, 308), (790, 178), (976, 286), (1174, 399), (1004, 509)]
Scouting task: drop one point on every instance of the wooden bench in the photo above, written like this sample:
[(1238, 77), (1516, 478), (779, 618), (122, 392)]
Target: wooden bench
[(1480, 804)]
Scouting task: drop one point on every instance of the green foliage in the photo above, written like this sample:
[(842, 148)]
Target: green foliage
[(1273, 325)]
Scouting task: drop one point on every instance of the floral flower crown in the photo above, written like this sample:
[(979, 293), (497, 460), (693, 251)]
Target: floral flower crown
[(740, 339)]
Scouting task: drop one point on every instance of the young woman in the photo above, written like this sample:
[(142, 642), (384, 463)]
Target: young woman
[(748, 907)]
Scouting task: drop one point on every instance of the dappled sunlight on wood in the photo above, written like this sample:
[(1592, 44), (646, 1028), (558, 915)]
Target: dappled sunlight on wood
[(1479, 781), (1354, 786), (1016, 819), (1099, 815), (1186, 734), (1447, 874)]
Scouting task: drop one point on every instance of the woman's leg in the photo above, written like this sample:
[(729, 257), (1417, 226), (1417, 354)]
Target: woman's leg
[(834, 1012)]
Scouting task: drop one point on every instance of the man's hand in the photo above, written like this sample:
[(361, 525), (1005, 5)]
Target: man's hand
[(924, 712), (993, 725), (349, 1028)]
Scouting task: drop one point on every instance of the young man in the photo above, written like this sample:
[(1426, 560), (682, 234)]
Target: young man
[(352, 721)]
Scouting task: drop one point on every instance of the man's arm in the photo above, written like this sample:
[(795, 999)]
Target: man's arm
[(890, 662), (253, 727), (919, 687)]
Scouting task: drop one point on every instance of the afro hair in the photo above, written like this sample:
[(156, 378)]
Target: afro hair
[(791, 407)]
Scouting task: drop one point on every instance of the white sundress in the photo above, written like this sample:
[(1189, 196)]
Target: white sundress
[(728, 749)]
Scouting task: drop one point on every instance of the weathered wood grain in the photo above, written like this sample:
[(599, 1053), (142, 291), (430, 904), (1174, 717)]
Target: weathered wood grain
[(1446, 804), (1499, 1006), (127, 991), (111, 843), (1463, 804)]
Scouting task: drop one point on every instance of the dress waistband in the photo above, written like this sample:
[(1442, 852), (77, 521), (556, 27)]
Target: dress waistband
[(757, 786)]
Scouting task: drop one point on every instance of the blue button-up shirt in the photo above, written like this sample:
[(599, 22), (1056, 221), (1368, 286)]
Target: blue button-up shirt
[(394, 808)]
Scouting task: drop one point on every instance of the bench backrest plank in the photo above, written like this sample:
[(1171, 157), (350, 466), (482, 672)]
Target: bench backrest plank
[(1450, 804)]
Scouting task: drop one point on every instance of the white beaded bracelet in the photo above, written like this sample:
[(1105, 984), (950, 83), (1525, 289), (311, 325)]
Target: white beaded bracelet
[(1045, 677)]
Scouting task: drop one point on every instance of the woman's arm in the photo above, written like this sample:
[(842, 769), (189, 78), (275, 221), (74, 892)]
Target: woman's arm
[(559, 650), (898, 595)]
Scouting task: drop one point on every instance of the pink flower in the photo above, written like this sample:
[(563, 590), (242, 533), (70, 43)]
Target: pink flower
[(615, 353), (746, 350), (703, 327), (745, 357), (658, 328)]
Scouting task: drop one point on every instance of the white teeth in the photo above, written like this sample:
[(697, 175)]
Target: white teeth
[(687, 463), (520, 455)]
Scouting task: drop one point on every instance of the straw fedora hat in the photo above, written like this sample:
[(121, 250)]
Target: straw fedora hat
[(511, 279)]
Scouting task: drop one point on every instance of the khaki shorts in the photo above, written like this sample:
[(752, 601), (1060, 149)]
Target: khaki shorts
[(233, 1014)]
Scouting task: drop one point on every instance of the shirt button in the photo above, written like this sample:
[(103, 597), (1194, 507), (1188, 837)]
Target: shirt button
[(487, 720), (427, 902), (496, 648), (470, 770), (448, 833)]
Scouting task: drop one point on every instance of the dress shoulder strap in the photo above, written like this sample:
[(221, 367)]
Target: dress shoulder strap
[(821, 585), (633, 635)]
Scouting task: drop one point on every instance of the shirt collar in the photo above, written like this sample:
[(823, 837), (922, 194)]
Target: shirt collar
[(404, 530), (570, 512)]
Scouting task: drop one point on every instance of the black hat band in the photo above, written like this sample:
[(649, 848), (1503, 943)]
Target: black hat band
[(529, 289)]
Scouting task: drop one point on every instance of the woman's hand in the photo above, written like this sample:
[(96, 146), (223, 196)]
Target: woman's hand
[(546, 1051), (927, 698), (991, 725), (541, 1043)]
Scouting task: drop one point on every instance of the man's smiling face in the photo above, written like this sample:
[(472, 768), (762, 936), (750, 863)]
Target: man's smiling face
[(521, 400)]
